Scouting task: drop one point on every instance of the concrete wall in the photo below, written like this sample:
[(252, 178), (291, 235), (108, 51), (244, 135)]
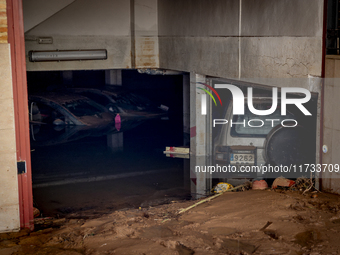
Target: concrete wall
[(39, 10), (9, 201), (83, 24), (127, 29), (146, 34), (331, 125), (242, 39)]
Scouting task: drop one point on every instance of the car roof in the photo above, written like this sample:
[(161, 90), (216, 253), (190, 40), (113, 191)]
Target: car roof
[(58, 97), (101, 91)]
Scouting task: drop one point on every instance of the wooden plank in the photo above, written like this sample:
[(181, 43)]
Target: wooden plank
[(177, 152)]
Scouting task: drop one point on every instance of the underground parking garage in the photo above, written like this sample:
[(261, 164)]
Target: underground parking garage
[(256, 44), (110, 167)]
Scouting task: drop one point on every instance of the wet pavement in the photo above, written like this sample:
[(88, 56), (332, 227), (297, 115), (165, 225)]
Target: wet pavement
[(88, 177)]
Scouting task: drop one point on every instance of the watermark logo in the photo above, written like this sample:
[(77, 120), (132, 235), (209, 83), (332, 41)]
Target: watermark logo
[(239, 101), (204, 97)]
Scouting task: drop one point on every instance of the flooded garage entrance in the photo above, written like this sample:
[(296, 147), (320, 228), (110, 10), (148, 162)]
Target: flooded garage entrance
[(84, 173)]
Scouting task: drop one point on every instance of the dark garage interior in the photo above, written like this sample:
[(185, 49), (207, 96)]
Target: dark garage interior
[(82, 176)]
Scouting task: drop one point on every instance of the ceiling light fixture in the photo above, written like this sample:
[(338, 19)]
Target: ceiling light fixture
[(67, 55)]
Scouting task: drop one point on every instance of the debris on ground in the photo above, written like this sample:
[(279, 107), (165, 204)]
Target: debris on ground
[(282, 182), (303, 183), (222, 186), (242, 187), (306, 185), (251, 222), (260, 184)]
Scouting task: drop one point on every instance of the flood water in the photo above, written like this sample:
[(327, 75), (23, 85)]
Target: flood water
[(87, 178)]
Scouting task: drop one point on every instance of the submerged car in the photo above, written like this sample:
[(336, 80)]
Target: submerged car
[(57, 118), (67, 109), (125, 103)]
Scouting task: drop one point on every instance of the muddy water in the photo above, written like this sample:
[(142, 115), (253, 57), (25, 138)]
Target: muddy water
[(87, 178)]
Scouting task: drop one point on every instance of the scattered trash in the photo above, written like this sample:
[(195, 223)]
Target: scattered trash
[(305, 184), (314, 196), (282, 182), (260, 185), (177, 152), (221, 187), (214, 196), (302, 183)]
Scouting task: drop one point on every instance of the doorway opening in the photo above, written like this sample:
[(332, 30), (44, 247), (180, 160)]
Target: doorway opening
[(84, 172)]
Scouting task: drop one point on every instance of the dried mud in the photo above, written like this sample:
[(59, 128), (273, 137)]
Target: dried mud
[(230, 224)]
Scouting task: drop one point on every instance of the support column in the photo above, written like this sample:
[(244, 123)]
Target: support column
[(199, 138), (186, 110), (186, 130), (67, 78), (115, 142), (113, 77)]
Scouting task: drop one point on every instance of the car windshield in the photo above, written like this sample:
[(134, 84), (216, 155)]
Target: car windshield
[(132, 101), (268, 121), (97, 97), (81, 108)]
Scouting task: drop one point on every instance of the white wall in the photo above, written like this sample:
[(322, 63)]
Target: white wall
[(128, 33), (85, 17), (9, 195), (36, 11), (84, 24)]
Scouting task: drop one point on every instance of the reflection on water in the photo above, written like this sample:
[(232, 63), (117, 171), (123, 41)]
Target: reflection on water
[(45, 135), (89, 171)]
